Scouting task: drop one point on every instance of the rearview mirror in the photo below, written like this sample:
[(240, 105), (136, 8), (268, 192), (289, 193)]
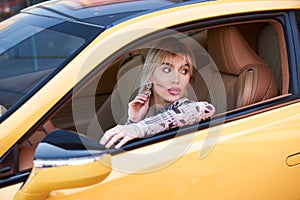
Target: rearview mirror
[(65, 160)]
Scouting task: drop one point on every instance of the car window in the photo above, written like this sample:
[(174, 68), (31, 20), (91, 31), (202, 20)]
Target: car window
[(30, 50)]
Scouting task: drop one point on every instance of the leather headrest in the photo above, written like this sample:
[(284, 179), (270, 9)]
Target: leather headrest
[(230, 50)]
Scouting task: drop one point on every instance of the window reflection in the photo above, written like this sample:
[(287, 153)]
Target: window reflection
[(9, 8)]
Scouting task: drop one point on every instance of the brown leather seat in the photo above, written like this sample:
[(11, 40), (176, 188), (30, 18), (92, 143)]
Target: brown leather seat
[(247, 78)]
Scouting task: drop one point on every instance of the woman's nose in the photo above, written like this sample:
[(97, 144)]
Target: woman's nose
[(176, 77)]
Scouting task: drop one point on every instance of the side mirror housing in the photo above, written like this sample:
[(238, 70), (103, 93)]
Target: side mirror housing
[(65, 160)]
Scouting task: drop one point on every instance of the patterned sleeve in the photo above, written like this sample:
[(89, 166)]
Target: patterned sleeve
[(184, 114)]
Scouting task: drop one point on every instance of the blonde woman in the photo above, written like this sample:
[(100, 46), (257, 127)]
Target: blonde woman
[(162, 103)]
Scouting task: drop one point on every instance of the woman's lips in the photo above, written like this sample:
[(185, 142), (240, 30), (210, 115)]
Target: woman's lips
[(174, 91)]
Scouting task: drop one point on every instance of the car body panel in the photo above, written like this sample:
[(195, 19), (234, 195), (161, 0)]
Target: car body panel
[(179, 179), (236, 137)]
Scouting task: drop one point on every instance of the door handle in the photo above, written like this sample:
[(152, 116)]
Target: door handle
[(293, 159)]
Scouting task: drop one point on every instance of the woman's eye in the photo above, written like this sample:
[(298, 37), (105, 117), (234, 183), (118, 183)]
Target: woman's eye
[(167, 69), (185, 71)]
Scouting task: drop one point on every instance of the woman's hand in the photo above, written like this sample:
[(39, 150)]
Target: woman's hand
[(121, 133), (138, 107)]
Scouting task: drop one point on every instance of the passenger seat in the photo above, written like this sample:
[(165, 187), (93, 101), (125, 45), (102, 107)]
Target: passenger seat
[(247, 78)]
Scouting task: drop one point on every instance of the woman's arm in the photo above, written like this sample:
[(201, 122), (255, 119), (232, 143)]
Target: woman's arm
[(185, 114)]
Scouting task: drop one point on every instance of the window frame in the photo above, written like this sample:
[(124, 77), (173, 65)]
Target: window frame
[(292, 35)]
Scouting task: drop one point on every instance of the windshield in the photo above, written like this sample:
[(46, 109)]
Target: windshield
[(31, 48)]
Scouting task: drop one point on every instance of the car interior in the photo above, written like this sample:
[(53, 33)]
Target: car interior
[(244, 56), (251, 58)]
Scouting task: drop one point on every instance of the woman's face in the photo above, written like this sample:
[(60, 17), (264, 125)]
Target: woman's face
[(171, 79)]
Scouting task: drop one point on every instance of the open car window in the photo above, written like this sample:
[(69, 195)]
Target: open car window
[(234, 74)]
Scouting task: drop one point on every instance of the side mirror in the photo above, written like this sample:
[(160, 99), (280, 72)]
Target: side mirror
[(65, 160)]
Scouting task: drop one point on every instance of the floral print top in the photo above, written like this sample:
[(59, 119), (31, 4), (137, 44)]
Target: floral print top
[(179, 113)]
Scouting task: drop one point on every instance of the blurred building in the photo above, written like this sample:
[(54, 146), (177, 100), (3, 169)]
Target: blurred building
[(11, 7)]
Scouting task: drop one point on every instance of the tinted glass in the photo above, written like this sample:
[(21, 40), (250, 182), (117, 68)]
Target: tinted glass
[(32, 47)]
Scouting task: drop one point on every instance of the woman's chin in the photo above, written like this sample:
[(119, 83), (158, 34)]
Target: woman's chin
[(175, 98)]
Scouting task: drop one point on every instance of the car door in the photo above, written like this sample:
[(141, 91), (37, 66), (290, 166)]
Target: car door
[(250, 153)]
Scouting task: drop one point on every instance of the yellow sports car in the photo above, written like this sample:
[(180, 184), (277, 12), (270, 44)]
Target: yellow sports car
[(69, 68)]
